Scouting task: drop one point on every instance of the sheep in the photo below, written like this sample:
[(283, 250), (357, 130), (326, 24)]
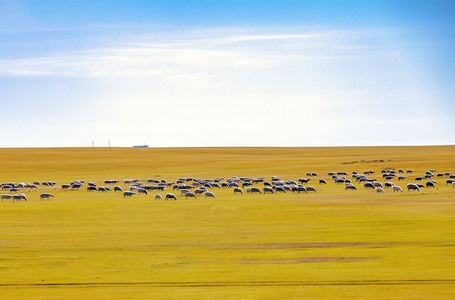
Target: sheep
[(190, 195), (430, 184), (142, 191), (299, 189), (19, 197), (397, 189), (118, 189), (350, 187), (413, 187), (389, 184), (378, 185), (45, 196), (238, 190), (184, 191), (245, 184), (91, 188), (304, 180), (200, 191), (111, 181), (368, 185), (6, 197), (7, 186), (280, 189), (76, 185), (379, 190), (253, 190), (170, 196), (209, 195), (322, 181), (31, 186), (268, 190), (158, 197), (340, 180), (311, 189), (128, 194)]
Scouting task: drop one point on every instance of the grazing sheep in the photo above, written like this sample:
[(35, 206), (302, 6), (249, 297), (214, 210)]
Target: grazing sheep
[(184, 191), (253, 190), (128, 194), (6, 197), (304, 180), (389, 184), (380, 190), (238, 190), (44, 196), (76, 185), (397, 189), (368, 185), (142, 191), (300, 189), (209, 195), (268, 190), (430, 184), (111, 181), (350, 187), (158, 197), (91, 188), (322, 181), (170, 196), (378, 185), (19, 197), (413, 187), (280, 189), (118, 189), (340, 180), (190, 195), (245, 184), (311, 189)]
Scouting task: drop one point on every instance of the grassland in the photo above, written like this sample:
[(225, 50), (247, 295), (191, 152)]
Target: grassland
[(324, 245)]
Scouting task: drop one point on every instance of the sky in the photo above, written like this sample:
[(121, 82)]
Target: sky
[(198, 73)]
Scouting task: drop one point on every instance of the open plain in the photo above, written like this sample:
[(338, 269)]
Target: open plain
[(333, 243)]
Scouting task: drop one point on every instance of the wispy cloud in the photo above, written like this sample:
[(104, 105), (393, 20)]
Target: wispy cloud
[(136, 58)]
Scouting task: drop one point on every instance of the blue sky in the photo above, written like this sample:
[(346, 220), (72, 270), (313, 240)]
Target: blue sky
[(227, 73)]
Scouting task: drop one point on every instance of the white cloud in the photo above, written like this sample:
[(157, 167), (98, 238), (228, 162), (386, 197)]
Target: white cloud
[(186, 56)]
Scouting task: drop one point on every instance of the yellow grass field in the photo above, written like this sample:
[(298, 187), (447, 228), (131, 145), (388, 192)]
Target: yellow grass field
[(332, 244)]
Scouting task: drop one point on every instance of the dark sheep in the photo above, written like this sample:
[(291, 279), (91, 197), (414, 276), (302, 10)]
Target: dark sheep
[(350, 187), (413, 187), (45, 196), (170, 196), (128, 194)]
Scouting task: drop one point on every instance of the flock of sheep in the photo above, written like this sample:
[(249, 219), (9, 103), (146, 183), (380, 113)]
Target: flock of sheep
[(193, 187)]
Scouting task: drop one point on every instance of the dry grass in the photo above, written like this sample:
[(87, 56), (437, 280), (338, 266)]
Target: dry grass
[(330, 244)]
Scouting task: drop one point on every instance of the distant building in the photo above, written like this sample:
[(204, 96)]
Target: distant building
[(141, 146)]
